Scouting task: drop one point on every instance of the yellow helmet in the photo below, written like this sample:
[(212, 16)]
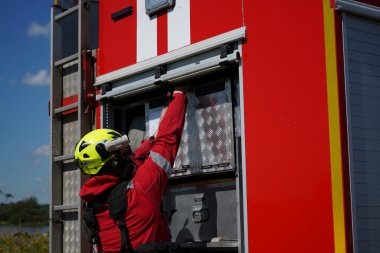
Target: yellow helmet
[(89, 156)]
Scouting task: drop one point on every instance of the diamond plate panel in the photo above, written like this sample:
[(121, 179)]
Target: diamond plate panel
[(56, 128), (71, 237), (70, 133), (70, 79), (214, 124), (236, 103), (187, 156), (71, 184)]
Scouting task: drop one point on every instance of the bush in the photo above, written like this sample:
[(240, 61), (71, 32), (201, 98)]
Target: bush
[(24, 242), (24, 213)]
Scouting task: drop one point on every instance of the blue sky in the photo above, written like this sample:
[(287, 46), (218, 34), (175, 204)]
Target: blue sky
[(24, 97)]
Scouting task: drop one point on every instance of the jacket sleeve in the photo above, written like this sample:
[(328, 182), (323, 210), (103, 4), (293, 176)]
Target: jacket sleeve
[(170, 130), (151, 178), (142, 153)]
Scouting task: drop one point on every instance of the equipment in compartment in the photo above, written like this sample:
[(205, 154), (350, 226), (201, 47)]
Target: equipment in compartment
[(202, 213), (207, 141)]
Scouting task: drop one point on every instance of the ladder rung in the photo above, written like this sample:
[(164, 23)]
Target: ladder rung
[(66, 13), (63, 157), (66, 108), (66, 60), (66, 207)]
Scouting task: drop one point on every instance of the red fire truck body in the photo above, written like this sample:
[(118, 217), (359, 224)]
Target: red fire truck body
[(282, 136)]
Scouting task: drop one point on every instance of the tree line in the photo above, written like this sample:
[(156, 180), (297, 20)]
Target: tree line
[(24, 213)]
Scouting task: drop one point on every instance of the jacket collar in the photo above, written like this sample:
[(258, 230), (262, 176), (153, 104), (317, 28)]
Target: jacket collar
[(97, 185)]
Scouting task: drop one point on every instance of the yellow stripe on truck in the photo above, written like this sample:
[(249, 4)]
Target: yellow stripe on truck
[(334, 129)]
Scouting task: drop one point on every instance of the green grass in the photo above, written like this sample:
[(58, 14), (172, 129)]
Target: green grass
[(24, 242)]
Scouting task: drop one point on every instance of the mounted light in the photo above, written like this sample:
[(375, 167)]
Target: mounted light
[(153, 6), (122, 13)]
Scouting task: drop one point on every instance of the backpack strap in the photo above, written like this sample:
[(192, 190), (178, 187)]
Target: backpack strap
[(89, 216), (116, 200), (117, 209)]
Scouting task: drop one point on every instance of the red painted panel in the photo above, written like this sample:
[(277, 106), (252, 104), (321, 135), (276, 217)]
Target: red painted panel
[(214, 17), (286, 121), (117, 39), (162, 32), (68, 101)]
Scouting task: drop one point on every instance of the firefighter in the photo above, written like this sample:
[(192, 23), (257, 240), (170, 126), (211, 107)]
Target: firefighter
[(146, 171)]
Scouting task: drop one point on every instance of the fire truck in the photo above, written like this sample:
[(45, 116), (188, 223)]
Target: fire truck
[(281, 145)]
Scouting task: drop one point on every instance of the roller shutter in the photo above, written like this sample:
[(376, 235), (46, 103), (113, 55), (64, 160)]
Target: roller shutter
[(362, 58)]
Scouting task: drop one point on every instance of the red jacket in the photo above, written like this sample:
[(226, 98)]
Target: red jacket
[(144, 220)]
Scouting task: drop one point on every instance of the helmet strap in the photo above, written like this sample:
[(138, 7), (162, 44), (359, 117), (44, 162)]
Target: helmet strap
[(120, 166)]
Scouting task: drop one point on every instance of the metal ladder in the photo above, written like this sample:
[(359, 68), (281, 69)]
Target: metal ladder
[(71, 99)]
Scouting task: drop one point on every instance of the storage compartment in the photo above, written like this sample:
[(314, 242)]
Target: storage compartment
[(202, 213), (207, 144), (209, 135), (201, 201)]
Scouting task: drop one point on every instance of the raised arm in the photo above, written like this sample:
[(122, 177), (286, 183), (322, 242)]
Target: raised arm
[(171, 126)]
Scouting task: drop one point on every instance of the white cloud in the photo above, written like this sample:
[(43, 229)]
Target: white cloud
[(39, 179), (44, 151), (36, 162), (36, 30), (42, 78)]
